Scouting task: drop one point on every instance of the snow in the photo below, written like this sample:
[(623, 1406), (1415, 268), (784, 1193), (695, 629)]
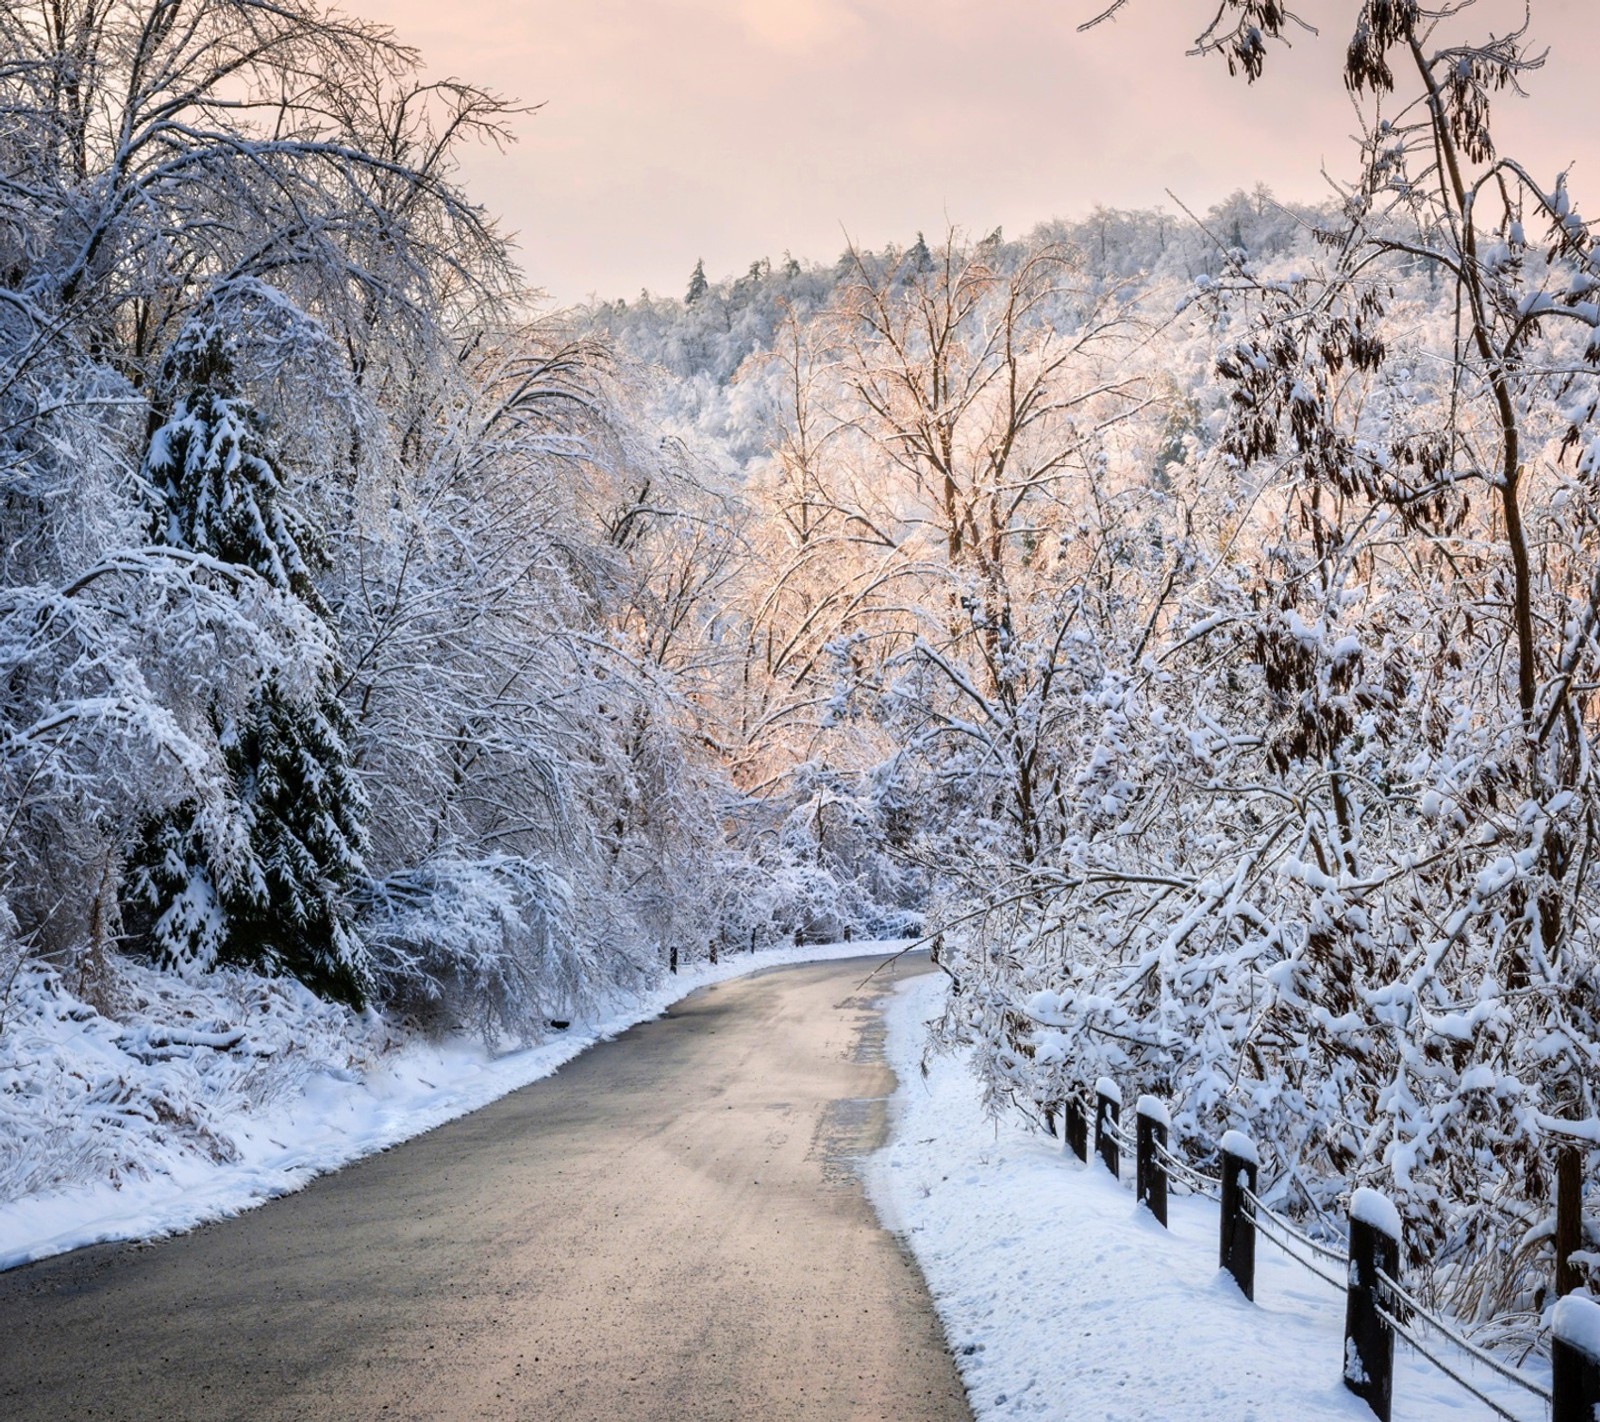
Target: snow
[(1154, 1108), (1061, 1298), (1106, 1087), (1374, 1208), (1576, 1322), (1241, 1147), (207, 1124)]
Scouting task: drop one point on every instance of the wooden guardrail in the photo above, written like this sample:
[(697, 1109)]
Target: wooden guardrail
[(1378, 1307)]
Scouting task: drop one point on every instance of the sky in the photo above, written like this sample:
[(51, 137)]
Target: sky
[(731, 130)]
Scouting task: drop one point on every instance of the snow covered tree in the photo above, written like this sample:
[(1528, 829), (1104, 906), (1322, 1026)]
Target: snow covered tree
[(249, 217), (289, 757), (1329, 879), (986, 395), (698, 285), (278, 901), (213, 485)]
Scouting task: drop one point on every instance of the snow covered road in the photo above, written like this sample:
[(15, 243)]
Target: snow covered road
[(671, 1227)]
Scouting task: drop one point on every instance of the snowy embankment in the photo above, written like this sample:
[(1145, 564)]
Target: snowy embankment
[(1062, 1298), (167, 1118)]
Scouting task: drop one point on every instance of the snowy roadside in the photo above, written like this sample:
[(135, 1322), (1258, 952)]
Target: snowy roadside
[(1062, 1298), (72, 1080)]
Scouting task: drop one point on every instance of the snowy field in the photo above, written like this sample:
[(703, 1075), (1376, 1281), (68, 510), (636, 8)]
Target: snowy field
[(1062, 1298), (176, 1125)]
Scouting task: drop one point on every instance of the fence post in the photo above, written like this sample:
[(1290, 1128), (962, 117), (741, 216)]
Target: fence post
[(1368, 1339), (1575, 1360), (711, 948), (672, 961), (1107, 1112), (1050, 1121), (1240, 1166), (1152, 1128), (1569, 1217), (1077, 1128)]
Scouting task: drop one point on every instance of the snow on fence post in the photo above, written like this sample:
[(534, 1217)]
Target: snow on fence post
[(1240, 1165), (1107, 1113), (1151, 1128), (1368, 1338), (1575, 1360), (1569, 1217), (1076, 1128)]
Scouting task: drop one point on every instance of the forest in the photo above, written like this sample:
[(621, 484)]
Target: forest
[(1187, 623)]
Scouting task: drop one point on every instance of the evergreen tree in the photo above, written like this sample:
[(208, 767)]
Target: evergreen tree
[(276, 900), (290, 762), (698, 285), (213, 484), (919, 258)]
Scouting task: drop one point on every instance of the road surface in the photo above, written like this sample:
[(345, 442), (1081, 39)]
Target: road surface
[(669, 1228)]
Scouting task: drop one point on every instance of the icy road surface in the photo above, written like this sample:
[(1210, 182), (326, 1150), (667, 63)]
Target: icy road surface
[(671, 1227)]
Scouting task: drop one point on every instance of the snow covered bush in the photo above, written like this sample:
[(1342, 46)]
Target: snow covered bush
[(496, 946), (162, 1076)]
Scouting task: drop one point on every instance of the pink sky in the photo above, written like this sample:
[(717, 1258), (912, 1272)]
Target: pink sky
[(738, 129)]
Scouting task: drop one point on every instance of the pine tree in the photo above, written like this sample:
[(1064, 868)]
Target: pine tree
[(698, 285), (277, 901), (919, 258), (214, 486), (290, 762)]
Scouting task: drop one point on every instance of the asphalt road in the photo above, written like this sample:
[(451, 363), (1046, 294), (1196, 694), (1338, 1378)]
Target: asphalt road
[(670, 1228)]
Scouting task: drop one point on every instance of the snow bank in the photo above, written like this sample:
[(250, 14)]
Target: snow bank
[(165, 1119), (1061, 1298)]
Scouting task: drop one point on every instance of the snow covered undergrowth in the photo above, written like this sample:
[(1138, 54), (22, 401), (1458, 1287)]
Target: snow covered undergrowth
[(1061, 1298), (165, 1117)]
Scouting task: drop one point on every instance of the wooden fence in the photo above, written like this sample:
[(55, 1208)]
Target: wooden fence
[(1378, 1307)]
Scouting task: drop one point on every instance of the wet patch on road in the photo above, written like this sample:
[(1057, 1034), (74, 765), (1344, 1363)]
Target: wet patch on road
[(847, 1132)]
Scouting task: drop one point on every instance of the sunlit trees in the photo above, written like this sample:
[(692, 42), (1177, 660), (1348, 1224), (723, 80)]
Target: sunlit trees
[(989, 393), (1362, 923)]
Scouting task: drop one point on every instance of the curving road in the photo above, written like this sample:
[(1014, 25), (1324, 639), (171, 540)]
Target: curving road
[(670, 1228)]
